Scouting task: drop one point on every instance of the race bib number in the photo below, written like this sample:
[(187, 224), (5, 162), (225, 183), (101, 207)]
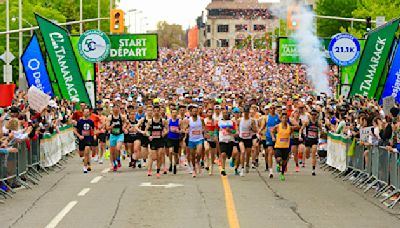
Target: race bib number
[(156, 134), (284, 140), (225, 131), (296, 134), (85, 132), (116, 131), (174, 129), (246, 134), (312, 134), (197, 132)]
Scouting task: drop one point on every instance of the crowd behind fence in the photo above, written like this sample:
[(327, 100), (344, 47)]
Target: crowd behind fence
[(33, 158), (370, 168)]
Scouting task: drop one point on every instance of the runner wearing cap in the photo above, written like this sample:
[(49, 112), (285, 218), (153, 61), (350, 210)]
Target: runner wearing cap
[(156, 130), (196, 138), (304, 117), (210, 142), (311, 138), (226, 130), (282, 143)]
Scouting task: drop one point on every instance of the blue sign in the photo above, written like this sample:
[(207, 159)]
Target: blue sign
[(35, 68), (344, 49), (392, 86)]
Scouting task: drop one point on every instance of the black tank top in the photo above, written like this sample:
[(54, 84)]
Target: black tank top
[(156, 128), (144, 124), (312, 130), (296, 133), (132, 123), (117, 129)]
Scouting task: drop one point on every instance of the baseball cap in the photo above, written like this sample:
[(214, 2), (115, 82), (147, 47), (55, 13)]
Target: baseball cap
[(236, 110)]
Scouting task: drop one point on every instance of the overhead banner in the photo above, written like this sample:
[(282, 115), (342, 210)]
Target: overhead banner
[(348, 73), (288, 51), (392, 86), (87, 71), (133, 47), (35, 67), (63, 60), (373, 60)]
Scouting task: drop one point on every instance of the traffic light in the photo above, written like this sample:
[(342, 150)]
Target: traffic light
[(117, 21), (369, 24), (293, 18)]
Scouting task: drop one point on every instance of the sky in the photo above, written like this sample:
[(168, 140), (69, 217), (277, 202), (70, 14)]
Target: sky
[(183, 12)]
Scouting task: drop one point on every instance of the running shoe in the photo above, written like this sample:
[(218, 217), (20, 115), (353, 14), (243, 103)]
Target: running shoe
[(236, 172), (194, 174), (282, 177), (84, 170), (119, 164), (165, 171), (96, 159), (232, 162), (303, 165), (253, 165), (297, 169), (190, 170), (89, 168), (207, 168), (134, 164), (170, 168), (256, 163), (174, 169), (223, 173), (241, 172), (247, 169), (130, 164), (115, 168), (101, 161), (149, 173), (202, 164), (158, 175), (271, 175), (313, 173)]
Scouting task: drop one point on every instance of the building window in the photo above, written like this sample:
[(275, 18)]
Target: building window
[(238, 41), (208, 28), (241, 28), (207, 43), (259, 27), (224, 43), (223, 28)]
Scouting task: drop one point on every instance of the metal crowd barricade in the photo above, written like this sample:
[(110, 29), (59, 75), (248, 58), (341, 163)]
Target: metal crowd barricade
[(8, 171), (394, 171), (34, 159)]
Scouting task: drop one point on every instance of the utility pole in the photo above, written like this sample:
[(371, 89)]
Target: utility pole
[(80, 17), (98, 14), (22, 81), (6, 72)]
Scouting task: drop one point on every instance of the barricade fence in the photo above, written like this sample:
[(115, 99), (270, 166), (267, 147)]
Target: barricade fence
[(366, 167), (34, 156)]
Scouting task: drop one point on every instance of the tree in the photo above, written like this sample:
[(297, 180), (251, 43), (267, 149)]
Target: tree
[(339, 8), (170, 35)]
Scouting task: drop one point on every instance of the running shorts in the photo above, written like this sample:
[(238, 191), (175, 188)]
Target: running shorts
[(282, 153), (213, 145), (84, 143), (264, 144), (226, 148), (102, 137), (115, 139), (295, 142), (269, 142), (131, 138), (194, 144), (144, 141), (156, 144), (311, 142), (173, 143), (248, 143)]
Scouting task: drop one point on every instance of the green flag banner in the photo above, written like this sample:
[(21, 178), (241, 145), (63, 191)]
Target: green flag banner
[(87, 71), (348, 73), (63, 60), (133, 47), (373, 60)]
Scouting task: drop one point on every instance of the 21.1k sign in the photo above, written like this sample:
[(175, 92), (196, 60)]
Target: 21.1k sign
[(344, 49)]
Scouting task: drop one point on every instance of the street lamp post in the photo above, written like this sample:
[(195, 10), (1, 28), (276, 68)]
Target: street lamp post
[(141, 23), (80, 17), (22, 82), (98, 14), (136, 13), (129, 19), (6, 76), (14, 19)]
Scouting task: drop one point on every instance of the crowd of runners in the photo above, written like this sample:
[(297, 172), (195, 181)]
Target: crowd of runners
[(201, 111)]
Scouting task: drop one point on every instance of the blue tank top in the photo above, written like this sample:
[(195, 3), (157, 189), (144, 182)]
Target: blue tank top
[(272, 122), (173, 129), (139, 116)]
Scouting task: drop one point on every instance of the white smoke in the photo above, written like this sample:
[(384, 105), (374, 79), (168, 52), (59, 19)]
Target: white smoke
[(309, 46)]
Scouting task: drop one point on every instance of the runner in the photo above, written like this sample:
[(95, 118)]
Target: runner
[(131, 136), (282, 143), (226, 130), (210, 142), (295, 123), (115, 125), (311, 139), (174, 133), (156, 130), (247, 127), (84, 130), (144, 139), (196, 138), (101, 135)]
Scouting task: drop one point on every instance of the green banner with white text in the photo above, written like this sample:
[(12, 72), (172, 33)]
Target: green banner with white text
[(133, 47), (373, 60), (87, 70), (63, 60)]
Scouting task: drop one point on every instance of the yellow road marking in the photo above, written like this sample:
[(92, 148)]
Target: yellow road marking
[(230, 204)]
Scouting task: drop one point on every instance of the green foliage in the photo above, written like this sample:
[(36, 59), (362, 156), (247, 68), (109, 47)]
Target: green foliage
[(57, 10), (339, 8), (170, 35)]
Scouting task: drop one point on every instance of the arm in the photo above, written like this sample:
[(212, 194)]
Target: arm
[(272, 131), (77, 133), (165, 130), (262, 126), (146, 131)]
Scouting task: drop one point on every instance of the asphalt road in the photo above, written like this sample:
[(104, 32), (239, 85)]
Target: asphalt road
[(128, 198)]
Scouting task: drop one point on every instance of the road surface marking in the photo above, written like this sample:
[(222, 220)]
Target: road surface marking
[(105, 170), (84, 191), (96, 179), (170, 185), (230, 204), (61, 214)]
